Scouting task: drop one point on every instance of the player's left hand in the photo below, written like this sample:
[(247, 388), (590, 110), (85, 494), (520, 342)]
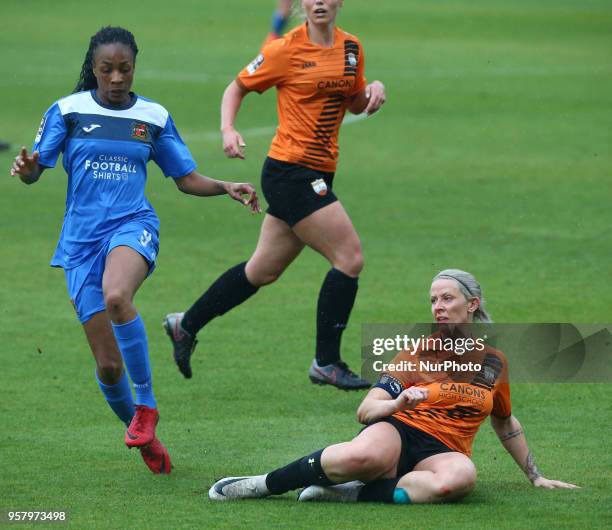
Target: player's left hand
[(548, 484), (375, 94), (237, 191)]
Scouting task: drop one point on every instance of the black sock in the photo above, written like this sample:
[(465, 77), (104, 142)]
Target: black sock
[(382, 490), (229, 290), (305, 471), (336, 300)]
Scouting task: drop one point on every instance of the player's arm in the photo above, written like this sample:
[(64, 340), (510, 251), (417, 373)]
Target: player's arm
[(202, 186), (233, 144), (27, 167), (368, 100), (380, 403), (512, 437)]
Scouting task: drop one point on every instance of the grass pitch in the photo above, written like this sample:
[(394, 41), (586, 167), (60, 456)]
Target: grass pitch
[(492, 154)]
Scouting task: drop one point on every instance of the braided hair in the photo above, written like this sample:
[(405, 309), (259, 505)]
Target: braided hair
[(470, 288), (106, 35)]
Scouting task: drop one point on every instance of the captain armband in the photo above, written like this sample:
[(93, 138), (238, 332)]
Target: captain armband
[(389, 383)]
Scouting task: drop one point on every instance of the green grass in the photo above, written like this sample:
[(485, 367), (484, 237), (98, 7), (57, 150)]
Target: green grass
[(492, 154)]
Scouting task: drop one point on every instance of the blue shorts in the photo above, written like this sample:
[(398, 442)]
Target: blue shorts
[(84, 282)]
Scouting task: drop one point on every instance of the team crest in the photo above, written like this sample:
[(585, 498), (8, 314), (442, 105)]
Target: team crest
[(319, 186), (255, 64), (352, 60), (140, 131)]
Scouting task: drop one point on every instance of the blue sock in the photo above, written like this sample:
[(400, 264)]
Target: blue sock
[(400, 496), (132, 341), (278, 23), (119, 398)]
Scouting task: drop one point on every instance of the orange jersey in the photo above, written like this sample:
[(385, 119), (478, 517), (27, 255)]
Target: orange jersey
[(314, 86), (458, 403)]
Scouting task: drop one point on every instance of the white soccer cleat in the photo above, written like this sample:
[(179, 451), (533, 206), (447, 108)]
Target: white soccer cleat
[(347, 492), (231, 488)]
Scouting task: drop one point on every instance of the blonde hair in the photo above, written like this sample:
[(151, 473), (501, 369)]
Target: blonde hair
[(469, 287)]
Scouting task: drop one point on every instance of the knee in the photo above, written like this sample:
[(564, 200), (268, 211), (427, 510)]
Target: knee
[(265, 278), (109, 371), (258, 277), (350, 262), (455, 486), (365, 462), (116, 300)]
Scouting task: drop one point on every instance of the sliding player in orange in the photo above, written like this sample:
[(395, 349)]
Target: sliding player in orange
[(318, 72), (418, 442)]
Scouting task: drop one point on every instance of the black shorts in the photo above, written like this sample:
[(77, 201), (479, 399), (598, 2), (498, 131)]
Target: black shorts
[(293, 191), (416, 445)]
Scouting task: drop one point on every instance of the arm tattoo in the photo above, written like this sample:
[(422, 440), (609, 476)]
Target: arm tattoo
[(510, 435), (532, 470)]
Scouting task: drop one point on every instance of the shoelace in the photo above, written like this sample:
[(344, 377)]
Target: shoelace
[(343, 366), (140, 415)]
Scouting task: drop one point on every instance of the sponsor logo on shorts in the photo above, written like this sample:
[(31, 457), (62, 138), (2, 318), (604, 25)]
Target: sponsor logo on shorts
[(309, 64), (319, 186), (145, 238), (140, 131), (255, 64), (41, 128)]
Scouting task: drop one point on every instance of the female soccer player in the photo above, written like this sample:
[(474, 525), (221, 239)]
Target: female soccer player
[(318, 71), (109, 239), (417, 446)]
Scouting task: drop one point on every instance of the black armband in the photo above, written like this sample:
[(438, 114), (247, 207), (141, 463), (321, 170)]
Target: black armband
[(389, 383)]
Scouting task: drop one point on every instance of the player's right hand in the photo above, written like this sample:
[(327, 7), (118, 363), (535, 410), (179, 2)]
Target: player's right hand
[(233, 144), (411, 397), (24, 165)]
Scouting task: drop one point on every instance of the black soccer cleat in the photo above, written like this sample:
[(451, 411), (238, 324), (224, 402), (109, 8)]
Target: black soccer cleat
[(182, 342), (338, 375)]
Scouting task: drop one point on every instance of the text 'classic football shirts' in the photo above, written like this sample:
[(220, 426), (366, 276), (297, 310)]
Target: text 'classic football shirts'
[(105, 153), (458, 402), (314, 87)]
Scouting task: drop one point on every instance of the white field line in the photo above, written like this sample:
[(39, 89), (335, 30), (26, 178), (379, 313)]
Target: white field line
[(258, 131)]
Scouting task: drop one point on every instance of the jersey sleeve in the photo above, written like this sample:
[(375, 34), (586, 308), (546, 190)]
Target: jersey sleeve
[(395, 381), (51, 137), (360, 79), (268, 69), (502, 407), (171, 154)]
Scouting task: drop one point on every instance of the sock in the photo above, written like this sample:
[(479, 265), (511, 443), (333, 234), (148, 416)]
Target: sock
[(119, 398), (336, 300), (305, 471), (229, 290), (383, 490), (278, 23), (132, 341)]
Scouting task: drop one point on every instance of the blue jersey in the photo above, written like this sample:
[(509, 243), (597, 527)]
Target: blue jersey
[(105, 154)]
